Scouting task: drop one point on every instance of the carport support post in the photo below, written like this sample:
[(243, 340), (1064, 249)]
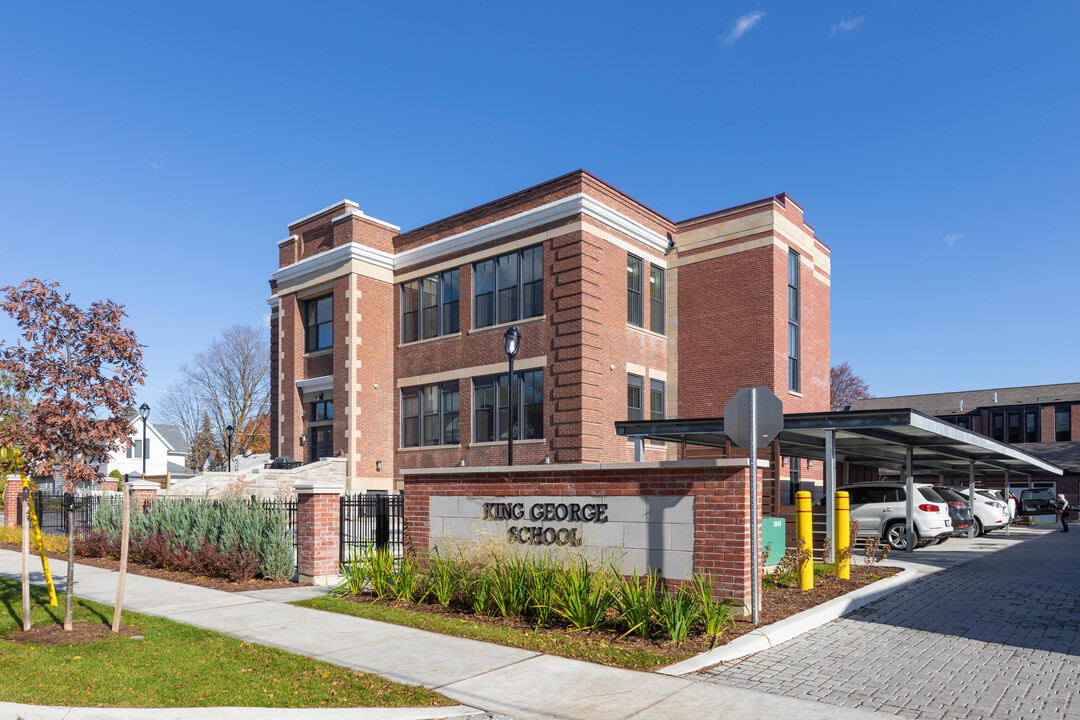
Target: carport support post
[(909, 491), (1008, 512), (971, 497), (830, 493)]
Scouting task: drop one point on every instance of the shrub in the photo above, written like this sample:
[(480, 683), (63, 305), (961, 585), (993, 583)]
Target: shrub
[(636, 601), (510, 585), (714, 617), (584, 597), (13, 534), (440, 578), (354, 576), (541, 581), (251, 539), (677, 614)]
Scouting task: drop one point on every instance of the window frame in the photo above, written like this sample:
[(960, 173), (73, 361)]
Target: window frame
[(440, 391), (444, 310), (311, 329), (794, 322), (1066, 434), (494, 383), (502, 292), (635, 382), (635, 293), (656, 299)]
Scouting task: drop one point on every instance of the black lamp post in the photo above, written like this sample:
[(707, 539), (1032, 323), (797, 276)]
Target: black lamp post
[(228, 445), (144, 412), (511, 340)]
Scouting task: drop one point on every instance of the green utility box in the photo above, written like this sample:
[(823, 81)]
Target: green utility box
[(773, 538)]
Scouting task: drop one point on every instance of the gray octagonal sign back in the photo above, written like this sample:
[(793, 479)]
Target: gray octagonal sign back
[(770, 416)]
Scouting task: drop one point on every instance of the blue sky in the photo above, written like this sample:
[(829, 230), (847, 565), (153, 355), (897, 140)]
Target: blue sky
[(154, 153)]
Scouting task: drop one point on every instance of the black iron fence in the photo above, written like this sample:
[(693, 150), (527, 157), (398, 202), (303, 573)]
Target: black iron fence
[(372, 520), (52, 517)]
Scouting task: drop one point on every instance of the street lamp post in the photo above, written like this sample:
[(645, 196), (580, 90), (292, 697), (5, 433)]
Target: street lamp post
[(144, 412), (511, 341), (228, 446)]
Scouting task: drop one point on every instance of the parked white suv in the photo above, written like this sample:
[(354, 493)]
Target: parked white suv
[(881, 509), (990, 512)]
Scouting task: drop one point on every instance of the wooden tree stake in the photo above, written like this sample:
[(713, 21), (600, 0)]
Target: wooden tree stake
[(123, 561)]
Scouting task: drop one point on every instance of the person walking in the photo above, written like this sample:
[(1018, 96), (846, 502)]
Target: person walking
[(1063, 510)]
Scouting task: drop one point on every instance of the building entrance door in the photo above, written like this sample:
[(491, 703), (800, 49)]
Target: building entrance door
[(322, 442)]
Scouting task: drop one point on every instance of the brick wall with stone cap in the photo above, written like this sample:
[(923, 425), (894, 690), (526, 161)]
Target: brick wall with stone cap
[(318, 532)]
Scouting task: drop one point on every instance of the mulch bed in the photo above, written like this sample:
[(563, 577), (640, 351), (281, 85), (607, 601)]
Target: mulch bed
[(56, 635), (172, 575), (777, 603)]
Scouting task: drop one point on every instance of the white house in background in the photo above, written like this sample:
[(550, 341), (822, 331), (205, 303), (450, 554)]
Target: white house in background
[(165, 450)]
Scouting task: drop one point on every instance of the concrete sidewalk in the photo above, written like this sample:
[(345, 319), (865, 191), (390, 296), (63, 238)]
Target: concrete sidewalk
[(518, 683)]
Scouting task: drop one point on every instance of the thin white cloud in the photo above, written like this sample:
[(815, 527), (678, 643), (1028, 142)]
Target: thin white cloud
[(740, 26), (952, 238), (847, 25)]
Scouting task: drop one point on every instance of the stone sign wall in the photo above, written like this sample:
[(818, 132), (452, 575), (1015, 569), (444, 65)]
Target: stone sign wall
[(675, 517), (635, 532)]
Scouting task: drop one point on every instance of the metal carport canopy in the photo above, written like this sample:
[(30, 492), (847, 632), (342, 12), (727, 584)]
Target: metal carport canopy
[(879, 438)]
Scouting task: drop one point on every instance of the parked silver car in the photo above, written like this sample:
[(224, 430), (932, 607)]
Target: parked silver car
[(881, 510)]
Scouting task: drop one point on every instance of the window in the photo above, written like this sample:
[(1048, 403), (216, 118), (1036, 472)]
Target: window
[(793, 321), (656, 400), (135, 451), (509, 287), (633, 290), (1062, 429), (635, 388), (656, 299), (322, 411), (429, 415), (319, 323), (1015, 425), (492, 412), (429, 307)]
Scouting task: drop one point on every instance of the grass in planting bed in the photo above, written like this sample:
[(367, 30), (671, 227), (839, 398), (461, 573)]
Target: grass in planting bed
[(596, 646), (174, 665)]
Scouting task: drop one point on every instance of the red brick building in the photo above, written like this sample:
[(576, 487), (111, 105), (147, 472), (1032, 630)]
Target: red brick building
[(387, 346)]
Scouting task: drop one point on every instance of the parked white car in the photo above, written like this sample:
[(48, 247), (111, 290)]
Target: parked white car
[(881, 510), (990, 512)]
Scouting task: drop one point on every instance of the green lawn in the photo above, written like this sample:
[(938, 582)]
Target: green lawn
[(174, 666), (566, 644)]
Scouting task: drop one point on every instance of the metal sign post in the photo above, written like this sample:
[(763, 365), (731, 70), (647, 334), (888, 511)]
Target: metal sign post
[(754, 416)]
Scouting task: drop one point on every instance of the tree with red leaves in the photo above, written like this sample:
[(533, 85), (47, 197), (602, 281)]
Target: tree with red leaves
[(845, 386), (78, 368), (70, 379)]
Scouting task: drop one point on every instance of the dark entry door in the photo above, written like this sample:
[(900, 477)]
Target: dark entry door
[(323, 445)]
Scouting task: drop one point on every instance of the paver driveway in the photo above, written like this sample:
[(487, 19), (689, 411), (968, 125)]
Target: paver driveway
[(998, 637)]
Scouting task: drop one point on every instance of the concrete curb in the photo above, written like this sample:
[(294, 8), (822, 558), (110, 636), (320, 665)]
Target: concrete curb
[(788, 628), (43, 712)]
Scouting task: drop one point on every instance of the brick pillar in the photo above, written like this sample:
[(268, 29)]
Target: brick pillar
[(108, 485), (318, 532), (143, 493), (12, 490)]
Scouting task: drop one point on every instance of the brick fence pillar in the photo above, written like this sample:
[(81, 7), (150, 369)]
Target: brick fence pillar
[(12, 491), (318, 532), (143, 493), (108, 485)]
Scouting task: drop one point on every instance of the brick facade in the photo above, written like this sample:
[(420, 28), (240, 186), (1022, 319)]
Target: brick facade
[(721, 492), (725, 293)]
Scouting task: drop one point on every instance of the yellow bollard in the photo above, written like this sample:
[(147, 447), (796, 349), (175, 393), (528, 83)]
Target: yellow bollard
[(842, 533), (804, 536)]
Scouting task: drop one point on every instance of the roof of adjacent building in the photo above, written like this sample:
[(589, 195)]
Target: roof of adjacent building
[(1066, 455), (949, 403), (179, 471), (173, 436)]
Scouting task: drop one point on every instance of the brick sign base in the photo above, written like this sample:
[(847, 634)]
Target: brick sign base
[(679, 517)]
